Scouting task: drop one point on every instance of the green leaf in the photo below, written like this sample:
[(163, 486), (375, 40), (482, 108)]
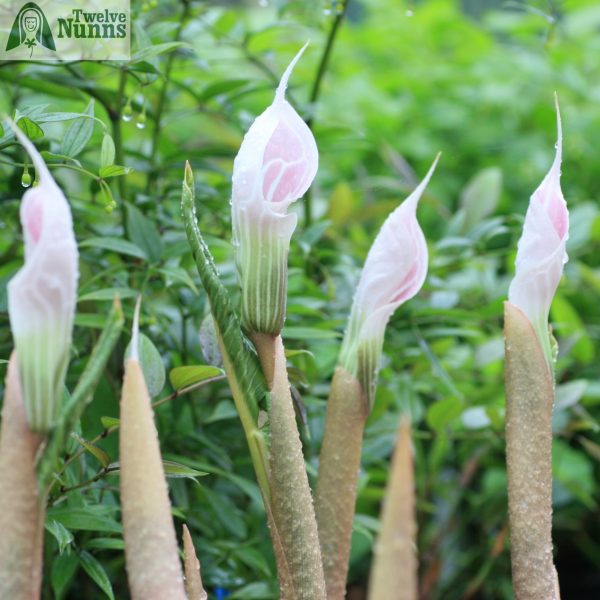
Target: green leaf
[(309, 333), (109, 422), (113, 171), (96, 571), (63, 570), (177, 470), (31, 129), (105, 544), (63, 536), (223, 410), (98, 453), (108, 294), (260, 590), (143, 233), (107, 152), (85, 519), (441, 413), (151, 51), (114, 245), (178, 274), (481, 195), (152, 365), (79, 133), (181, 377)]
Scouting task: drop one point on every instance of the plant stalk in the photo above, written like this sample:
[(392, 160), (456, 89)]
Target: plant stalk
[(529, 403), (394, 571), (22, 506), (291, 500), (339, 464)]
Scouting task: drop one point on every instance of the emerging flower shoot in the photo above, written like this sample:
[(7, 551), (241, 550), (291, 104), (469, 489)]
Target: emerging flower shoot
[(394, 272), (541, 252), (275, 166), (42, 295)]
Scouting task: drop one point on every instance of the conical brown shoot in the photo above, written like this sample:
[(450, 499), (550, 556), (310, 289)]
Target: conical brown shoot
[(151, 552), (193, 579), (394, 571), (529, 404), (21, 507), (291, 500), (339, 465)]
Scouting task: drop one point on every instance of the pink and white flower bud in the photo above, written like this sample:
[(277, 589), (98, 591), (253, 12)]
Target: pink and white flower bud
[(541, 253), (42, 295), (393, 273), (275, 166)]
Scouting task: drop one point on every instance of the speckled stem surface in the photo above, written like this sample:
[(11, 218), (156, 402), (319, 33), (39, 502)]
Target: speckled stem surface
[(291, 500), (394, 570), (193, 579), (339, 464), (151, 552), (529, 404), (22, 509)]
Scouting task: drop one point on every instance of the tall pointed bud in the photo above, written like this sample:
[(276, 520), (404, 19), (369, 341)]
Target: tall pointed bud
[(275, 166), (42, 295), (541, 253), (151, 552), (393, 273), (530, 387)]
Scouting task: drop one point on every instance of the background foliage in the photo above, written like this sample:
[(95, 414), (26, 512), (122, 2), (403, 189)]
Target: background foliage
[(404, 80)]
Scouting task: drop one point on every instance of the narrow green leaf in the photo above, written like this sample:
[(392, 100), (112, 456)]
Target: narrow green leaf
[(98, 453), (79, 133), (107, 152), (181, 377), (63, 536), (152, 365), (83, 519), (143, 233), (151, 51), (63, 571), (31, 129), (108, 294), (177, 470), (96, 571), (113, 171), (114, 245), (108, 422), (105, 544)]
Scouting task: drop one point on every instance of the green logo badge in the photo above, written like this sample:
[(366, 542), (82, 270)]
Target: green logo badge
[(30, 29)]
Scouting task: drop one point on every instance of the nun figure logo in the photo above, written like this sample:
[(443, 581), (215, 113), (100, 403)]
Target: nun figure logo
[(30, 29)]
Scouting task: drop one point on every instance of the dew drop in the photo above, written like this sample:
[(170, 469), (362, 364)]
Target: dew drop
[(26, 178), (409, 13), (263, 3)]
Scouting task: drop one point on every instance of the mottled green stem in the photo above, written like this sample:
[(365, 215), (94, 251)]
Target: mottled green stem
[(339, 465), (394, 571), (529, 404), (291, 500), (22, 507)]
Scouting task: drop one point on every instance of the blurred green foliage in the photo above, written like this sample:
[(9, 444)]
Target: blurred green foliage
[(404, 80)]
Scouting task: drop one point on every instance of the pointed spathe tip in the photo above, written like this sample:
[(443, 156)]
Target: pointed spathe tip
[(414, 198), (135, 331), (280, 93)]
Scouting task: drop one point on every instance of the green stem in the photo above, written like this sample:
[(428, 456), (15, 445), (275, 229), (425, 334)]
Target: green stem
[(160, 105), (115, 118), (529, 405), (316, 90), (339, 464), (293, 510)]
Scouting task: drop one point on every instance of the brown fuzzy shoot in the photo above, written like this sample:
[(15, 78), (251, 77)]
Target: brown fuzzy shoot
[(22, 508), (151, 551), (529, 404), (193, 578), (339, 465), (394, 571)]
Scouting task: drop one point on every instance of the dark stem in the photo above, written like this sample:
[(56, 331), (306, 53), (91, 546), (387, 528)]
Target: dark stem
[(160, 105), (316, 90)]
